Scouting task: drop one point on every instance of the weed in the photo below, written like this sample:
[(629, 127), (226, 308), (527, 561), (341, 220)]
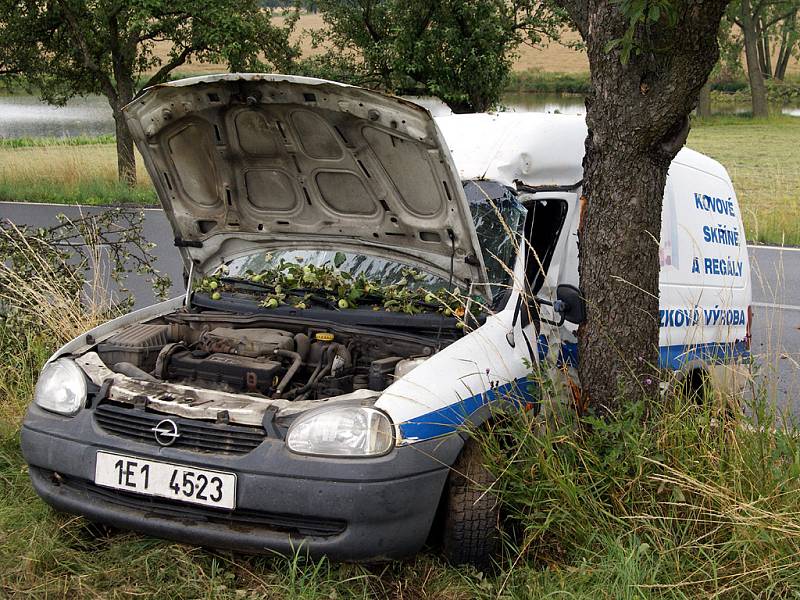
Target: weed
[(676, 499)]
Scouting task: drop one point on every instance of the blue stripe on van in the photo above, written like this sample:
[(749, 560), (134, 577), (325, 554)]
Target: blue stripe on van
[(669, 357), (449, 418), (674, 357)]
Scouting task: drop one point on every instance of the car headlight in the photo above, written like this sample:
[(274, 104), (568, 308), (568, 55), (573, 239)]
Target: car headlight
[(61, 387), (341, 431)]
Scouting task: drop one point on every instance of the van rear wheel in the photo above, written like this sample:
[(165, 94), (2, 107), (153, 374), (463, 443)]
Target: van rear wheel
[(471, 528)]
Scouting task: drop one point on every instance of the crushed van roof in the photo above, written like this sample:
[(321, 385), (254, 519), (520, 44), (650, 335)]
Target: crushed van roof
[(535, 148)]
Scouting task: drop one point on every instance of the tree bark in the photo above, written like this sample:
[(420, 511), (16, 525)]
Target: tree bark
[(704, 102), (763, 47), (758, 89), (637, 116), (126, 158)]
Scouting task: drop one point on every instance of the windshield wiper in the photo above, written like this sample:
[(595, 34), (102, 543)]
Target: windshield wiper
[(247, 282), (298, 292)]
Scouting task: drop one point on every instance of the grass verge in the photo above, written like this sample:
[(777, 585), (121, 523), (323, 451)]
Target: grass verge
[(693, 501), (44, 142), (81, 171)]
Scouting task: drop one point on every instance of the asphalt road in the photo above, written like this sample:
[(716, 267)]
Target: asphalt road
[(776, 292)]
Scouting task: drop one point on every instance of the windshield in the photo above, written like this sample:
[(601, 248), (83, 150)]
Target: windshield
[(498, 217), (386, 272), (328, 279)]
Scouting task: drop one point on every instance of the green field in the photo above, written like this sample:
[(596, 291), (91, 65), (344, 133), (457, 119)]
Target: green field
[(79, 171), (761, 157), (764, 163)]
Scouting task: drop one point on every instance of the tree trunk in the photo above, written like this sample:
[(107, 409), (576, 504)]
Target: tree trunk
[(763, 48), (637, 116), (126, 159), (758, 89), (704, 102), (788, 41)]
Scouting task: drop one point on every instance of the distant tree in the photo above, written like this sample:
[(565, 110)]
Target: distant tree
[(729, 64), (765, 24), (648, 60), (788, 39), (63, 48), (461, 52)]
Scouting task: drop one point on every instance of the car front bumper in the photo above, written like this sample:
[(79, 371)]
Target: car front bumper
[(346, 509)]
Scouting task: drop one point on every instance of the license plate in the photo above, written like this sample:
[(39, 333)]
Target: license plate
[(165, 480)]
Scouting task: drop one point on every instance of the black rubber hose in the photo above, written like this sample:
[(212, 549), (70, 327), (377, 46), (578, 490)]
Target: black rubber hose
[(310, 385), (297, 360), (302, 344), (322, 369)]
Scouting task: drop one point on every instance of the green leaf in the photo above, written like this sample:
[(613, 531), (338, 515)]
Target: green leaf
[(612, 44), (338, 259)]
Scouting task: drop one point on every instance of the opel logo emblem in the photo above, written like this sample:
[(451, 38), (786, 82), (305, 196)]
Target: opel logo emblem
[(166, 432)]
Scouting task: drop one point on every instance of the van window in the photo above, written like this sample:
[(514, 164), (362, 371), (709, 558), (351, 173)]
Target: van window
[(498, 218), (542, 232)]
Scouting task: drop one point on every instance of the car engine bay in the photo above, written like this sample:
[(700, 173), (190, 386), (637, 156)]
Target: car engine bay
[(297, 362)]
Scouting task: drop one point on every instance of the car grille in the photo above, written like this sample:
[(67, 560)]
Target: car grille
[(200, 436), (239, 519)]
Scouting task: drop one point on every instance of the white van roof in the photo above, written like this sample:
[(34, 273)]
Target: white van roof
[(535, 148)]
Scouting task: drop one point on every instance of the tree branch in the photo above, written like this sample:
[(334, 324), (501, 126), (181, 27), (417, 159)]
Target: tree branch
[(88, 60), (367, 12), (160, 76), (785, 15), (578, 11)]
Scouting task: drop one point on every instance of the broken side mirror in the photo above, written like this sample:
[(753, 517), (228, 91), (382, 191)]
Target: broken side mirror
[(570, 304)]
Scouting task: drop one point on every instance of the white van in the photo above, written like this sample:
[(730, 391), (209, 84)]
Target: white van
[(255, 418)]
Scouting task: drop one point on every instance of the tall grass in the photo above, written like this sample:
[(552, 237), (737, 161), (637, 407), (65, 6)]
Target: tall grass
[(537, 81), (40, 310), (39, 142), (678, 499), (67, 173)]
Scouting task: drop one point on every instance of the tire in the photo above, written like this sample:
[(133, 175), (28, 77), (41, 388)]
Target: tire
[(695, 386), (471, 525)]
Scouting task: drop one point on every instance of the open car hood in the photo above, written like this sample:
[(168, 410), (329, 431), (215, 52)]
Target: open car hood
[(245, 161)]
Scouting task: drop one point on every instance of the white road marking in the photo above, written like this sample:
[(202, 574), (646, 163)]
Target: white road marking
[(777, 248), (81, 206), (778, 306)]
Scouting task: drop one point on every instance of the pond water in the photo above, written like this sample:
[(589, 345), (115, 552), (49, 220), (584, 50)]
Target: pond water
[(26, 116)]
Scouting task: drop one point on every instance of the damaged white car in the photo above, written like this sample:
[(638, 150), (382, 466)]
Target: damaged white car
[(287, 401)]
